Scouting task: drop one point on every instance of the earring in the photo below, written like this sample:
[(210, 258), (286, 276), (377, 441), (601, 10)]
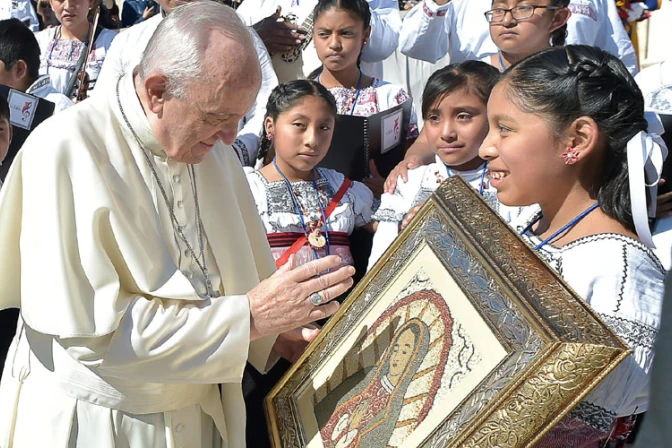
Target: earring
[(366, 42), (570, 155), (270, 136)]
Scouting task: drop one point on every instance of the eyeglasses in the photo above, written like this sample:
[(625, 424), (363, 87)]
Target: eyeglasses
[(521, 12)]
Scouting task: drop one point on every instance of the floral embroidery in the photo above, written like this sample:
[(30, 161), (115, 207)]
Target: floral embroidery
[(368, 103)]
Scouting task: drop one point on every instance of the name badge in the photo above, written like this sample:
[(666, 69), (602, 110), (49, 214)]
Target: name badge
[(22, 109), (391, 130)]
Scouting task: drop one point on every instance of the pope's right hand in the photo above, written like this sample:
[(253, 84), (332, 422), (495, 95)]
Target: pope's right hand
[(283, 301)]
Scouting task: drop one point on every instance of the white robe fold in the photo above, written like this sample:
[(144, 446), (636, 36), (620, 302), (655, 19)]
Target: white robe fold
[(116, 343)]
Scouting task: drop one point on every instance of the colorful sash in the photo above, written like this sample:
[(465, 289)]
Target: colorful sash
[(300, 239)]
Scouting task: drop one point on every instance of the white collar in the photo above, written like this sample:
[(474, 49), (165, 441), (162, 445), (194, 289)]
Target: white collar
[(132, 109), (387, 385), (469, 176), (40, 84)]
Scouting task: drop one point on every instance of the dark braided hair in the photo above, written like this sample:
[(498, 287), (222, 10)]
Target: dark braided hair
[(563, 84), (474, 76), (359, 8), (285, 97)]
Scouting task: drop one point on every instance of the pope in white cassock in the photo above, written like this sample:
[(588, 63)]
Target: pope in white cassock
[(131, 243)]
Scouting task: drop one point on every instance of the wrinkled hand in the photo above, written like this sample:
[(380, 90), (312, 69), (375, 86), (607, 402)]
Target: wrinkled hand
[(664, 203), (282, 303), (279, 35), (291, 344), (408, 217), (376, 182)]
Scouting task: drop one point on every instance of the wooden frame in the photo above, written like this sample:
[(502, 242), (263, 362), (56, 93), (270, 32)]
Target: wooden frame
[(497, 347)]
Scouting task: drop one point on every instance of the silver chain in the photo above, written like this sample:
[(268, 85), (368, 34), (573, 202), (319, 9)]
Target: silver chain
[(211, 293)]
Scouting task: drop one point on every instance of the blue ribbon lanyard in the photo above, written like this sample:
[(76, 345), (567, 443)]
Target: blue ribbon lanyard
[(480, 187), (566, 227), (501, 61), (300, 212)]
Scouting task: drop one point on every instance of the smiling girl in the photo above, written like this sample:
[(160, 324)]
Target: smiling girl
[(61, 47), (568, 132), (454, 109), (308, 212)]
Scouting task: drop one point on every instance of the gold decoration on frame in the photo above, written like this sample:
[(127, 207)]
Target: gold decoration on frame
[(553, 349)]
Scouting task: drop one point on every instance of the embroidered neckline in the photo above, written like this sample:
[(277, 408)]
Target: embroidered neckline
[(551, 249)]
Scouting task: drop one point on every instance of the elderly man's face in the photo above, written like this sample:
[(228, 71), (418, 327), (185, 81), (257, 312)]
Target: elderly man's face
[(189, 128)]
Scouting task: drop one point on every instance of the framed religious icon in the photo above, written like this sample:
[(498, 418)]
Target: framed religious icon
[(460, 336)]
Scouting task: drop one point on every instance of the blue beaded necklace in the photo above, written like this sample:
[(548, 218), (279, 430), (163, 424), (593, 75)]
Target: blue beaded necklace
[(568, 226), (299, 211), (480, 187)]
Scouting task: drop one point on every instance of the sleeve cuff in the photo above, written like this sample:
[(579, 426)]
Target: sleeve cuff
[(242, 152), (261, 354)]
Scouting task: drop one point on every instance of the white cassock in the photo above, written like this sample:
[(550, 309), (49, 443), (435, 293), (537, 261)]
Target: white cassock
[(459, 29), (126, 52), (385, 26), (117, 347)]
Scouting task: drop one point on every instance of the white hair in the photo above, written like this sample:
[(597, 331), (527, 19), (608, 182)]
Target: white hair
[(176, 50)]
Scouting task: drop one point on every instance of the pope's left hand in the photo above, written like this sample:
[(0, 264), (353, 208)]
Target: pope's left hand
[(291, 344)]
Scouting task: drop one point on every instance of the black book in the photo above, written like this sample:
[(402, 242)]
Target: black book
[(381, 137), (26, 112)]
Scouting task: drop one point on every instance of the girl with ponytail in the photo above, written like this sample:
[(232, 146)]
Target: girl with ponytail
[(568, 132), (342, 30)]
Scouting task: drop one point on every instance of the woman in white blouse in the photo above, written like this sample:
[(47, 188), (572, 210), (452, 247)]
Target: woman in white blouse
[(63, 47)]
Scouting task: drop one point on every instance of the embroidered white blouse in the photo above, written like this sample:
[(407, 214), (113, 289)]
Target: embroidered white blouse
[(378, 98), (622, 280), (422, 182), (59, 57), (430, 31), (278, 213)]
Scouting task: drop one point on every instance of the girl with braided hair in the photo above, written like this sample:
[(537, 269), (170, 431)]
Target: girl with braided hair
[(568, 132)]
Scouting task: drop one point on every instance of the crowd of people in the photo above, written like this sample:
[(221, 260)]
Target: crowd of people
[(174, 240)]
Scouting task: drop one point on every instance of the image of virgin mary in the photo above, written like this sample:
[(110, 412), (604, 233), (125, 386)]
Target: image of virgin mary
[(363, 410)]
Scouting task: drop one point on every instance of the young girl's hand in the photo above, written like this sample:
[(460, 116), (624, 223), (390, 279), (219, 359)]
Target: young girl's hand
[(420, 153), (408, 217), (401, 170)]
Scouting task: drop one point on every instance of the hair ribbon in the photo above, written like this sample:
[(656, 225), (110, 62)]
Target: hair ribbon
[(646, 152)]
